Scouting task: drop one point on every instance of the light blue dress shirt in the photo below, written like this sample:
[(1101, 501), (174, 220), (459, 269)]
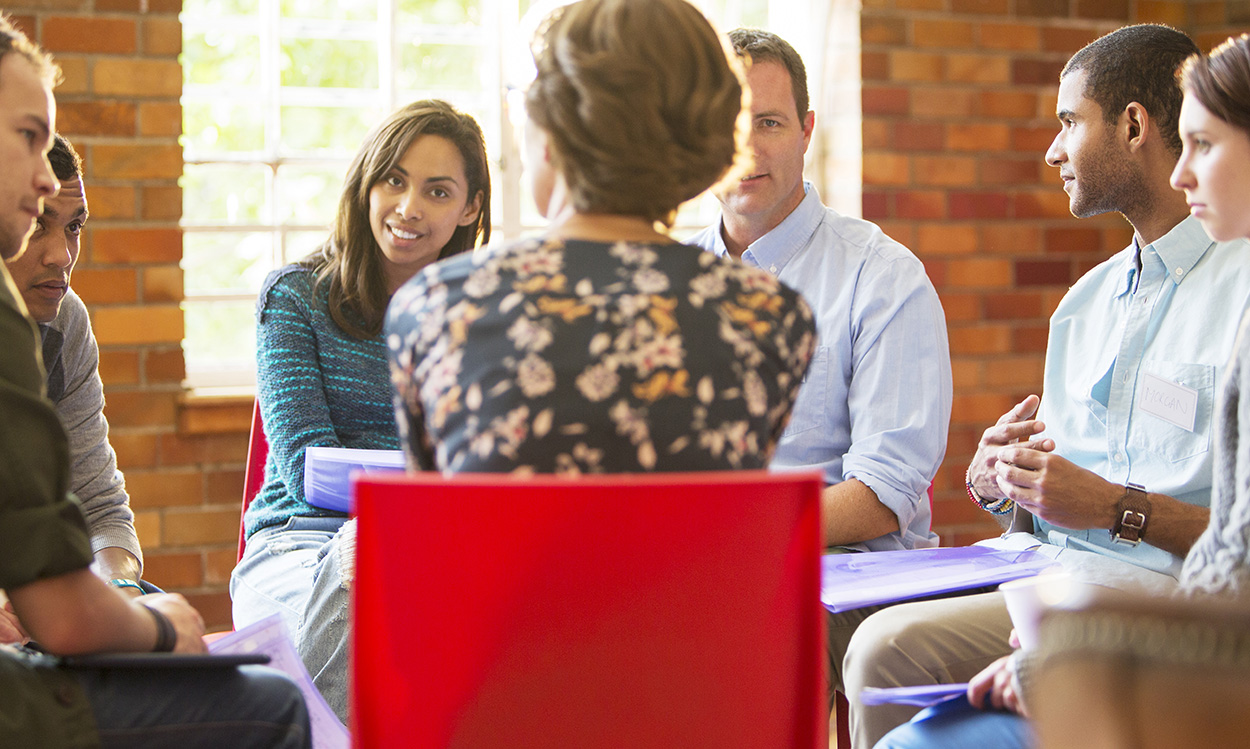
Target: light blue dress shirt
[(1126, 325), (876, 403)]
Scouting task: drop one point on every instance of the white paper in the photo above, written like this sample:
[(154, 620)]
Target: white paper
[(1172, 402), (270, 637)]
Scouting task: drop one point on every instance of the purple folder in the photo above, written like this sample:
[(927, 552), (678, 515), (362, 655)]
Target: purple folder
[(922, 696), (852, 581)]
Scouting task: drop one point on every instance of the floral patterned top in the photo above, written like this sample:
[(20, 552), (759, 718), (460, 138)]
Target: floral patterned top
[(571, 356)]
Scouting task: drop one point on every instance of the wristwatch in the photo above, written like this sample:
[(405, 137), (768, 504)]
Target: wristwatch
[(1132, 515)]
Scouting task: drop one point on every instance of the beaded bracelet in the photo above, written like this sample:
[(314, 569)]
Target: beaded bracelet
[(996, 507)]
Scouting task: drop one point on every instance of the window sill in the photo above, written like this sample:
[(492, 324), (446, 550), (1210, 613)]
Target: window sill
[(216, 411)]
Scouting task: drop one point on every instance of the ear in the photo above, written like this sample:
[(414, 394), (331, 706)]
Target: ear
[(1136, 124), (471, 210), (809, 126)]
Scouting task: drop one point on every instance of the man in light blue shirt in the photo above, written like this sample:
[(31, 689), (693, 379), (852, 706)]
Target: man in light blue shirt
[(874, 411), (1117, 470)]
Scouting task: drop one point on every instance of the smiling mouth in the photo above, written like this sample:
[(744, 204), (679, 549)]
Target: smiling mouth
[(401, 234)]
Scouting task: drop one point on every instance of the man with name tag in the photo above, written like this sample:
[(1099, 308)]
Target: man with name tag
[(1109, 473)]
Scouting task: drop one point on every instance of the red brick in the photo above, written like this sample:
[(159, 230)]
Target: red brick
[(105, 285), (134, 450), (982, 408), (945, 171), (1014, 238), (218, 566), (119, 5), (1067, 39), (1043, 272), (916, 66), (979, 273), (161, 202), (214, 606), (936, 271), (916, 204), (961, 308), (112, 201), (118, 367), (1073, 240), (920, 4), (114, 36), (1015, 372), (164, 367), (1111, 10), (1116, 238), (1045, 203), (946, 239), (1042, 8), (1017, 104), (74, 77), (965, 205), (217, 448), (876, 205), (121, 161), (885, 169), (978, 69), (876, 134), (1035, 72), (162, 283), (1017, 37), (97, 118), (151, 323), (178, 570), (165, 488), (200, 527), (930, 101), (1014, 305), (885, 100), (910, 135), (1005, 171), (139, 409), (965, 373), (1030, 339), (985, 7), (982, 339), (1207, 13), (160, 118), (137, 245), (874, 66), (979, 137), (928, 32), (224, 486), (162, 36), (874, 29)]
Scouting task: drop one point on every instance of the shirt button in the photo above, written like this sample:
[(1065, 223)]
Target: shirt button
[(1119, 457), (772, 269), (1180, 272)]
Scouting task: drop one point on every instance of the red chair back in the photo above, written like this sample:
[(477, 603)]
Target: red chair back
[(635, 610), (254, 473)]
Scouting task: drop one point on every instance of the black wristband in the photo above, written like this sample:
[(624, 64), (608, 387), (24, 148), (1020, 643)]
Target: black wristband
[(166, 635)]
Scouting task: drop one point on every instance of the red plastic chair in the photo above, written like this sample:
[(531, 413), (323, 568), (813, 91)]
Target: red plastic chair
[(254, 474), (629, 610)]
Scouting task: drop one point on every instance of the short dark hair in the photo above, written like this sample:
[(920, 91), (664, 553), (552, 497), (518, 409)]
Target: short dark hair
[(763, 45), (13, 40), (66, 163), (1220, 81), (1136, 64)]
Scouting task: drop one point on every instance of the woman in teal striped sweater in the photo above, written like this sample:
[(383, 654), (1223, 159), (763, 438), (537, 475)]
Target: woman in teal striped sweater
[(417, 191)]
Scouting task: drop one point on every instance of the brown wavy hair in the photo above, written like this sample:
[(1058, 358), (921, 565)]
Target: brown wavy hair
[(13, 40), (350, 261), (1221, 81), (642, 103)]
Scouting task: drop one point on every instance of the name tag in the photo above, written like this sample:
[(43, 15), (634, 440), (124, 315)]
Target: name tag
[(1170, 401)]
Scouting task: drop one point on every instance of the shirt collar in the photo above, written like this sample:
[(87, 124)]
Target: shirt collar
[(773, 250), (1179, 250)]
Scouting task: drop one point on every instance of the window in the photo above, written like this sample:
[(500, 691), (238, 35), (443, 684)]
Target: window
[(277, 96)]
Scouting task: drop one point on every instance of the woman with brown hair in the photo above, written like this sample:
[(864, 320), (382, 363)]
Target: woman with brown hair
[(417, 191), (603, 345)]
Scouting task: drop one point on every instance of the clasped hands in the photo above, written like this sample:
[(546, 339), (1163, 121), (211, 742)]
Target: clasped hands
[(1012, 461)]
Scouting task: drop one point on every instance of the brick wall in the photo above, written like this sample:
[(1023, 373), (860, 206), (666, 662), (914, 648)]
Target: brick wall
[(959, 102), (119, 105)]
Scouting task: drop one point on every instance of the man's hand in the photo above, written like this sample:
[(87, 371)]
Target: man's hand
[(11, 632), (998, 682), (1012, 427), (1056, 489), (186, 620)]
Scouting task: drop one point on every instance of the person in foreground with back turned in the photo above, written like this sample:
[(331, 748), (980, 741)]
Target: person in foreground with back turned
[(44, 549), (603, 345)]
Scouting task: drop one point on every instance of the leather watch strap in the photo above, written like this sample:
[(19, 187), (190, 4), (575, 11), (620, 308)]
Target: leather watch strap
[(1132, 516)]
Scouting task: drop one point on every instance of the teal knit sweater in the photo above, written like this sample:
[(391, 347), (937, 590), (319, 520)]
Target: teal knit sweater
[(318, 386)]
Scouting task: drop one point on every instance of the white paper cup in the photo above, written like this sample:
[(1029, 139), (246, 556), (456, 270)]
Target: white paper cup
[(1027, 597)]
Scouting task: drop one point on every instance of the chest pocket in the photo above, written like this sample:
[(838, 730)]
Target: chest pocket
[(1160, 436), (810, 407)]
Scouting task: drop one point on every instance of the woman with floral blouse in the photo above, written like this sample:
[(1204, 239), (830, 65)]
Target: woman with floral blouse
[(604, 345)]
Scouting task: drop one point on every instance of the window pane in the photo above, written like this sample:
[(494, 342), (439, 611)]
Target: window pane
[(439, 66), (219, 125), (347, 10), (442, 12), (221, 336), (299, 244), (320, 63), (322, 129), (308, 194), (223, 194), (219, 58), (226, 262)]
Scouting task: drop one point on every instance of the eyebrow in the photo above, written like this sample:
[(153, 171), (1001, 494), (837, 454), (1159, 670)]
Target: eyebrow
[(1064, 113), (772, 114), (428, 180), (52, 212)]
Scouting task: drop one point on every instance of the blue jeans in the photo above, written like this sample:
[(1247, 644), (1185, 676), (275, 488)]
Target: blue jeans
[(250, 707), (293, 570), (956, 723)]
